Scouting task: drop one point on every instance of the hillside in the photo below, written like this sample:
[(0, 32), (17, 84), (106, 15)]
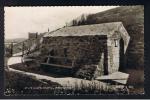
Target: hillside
[(132, 18)]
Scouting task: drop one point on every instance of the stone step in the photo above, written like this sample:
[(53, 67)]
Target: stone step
[(118, 77)]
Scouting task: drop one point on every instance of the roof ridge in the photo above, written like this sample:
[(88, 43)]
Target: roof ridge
[(94, 24)]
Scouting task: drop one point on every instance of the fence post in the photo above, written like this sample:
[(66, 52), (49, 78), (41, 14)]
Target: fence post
[(22, 48), (11, 52)]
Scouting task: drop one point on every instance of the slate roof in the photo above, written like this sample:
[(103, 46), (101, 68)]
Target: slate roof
[(95, 29)]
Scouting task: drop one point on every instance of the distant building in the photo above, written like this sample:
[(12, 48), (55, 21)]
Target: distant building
[(32, 35), (97, 47)]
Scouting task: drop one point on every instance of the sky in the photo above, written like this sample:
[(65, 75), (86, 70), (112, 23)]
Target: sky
[(21, 20)]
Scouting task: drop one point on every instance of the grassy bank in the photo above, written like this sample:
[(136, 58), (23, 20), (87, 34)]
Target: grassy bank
[(21, 84)]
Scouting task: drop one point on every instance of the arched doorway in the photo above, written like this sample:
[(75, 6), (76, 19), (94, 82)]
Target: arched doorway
[(121, 54)]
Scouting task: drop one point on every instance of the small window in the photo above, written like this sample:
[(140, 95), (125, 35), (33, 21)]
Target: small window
[(65, 52), (65, 55), (116, 42), (51, 53)]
